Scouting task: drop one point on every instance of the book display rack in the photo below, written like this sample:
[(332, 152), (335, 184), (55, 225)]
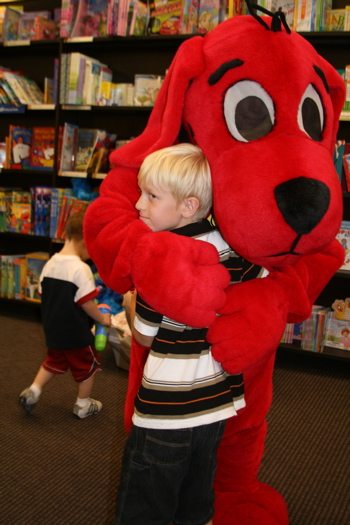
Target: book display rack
[(126, 57)]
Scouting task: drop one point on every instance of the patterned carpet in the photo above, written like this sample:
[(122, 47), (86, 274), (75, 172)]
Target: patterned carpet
[(56, 470)]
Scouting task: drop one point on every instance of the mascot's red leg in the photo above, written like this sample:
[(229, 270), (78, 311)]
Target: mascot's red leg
[(240, 498)]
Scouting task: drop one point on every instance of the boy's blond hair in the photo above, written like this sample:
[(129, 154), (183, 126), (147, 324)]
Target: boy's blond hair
[(74, 226), (184, 171)]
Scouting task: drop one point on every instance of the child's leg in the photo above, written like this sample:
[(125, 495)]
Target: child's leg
[(86, 406), (85, 388), (30, 396)]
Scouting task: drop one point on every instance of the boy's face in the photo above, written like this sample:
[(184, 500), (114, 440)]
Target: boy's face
[(159, 210)]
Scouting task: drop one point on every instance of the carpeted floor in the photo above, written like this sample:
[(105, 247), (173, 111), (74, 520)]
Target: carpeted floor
[(56, 470)]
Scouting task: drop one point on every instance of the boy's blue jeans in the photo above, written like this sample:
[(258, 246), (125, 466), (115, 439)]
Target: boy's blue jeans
[(167, 476)]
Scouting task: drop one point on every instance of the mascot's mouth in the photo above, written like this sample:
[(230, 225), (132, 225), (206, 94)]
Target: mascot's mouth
[(291, 251)]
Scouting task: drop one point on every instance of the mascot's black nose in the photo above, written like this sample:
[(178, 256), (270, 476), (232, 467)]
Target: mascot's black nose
[(302, 202)]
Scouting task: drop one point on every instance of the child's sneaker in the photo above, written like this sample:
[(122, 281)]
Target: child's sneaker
[(27, 399), (93, 407)]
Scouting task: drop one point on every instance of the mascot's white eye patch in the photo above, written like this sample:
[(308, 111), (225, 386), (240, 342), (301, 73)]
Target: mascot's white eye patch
[(311, 114), (249, 111)]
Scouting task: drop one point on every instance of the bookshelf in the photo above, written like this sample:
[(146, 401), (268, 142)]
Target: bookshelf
[(126, 56)]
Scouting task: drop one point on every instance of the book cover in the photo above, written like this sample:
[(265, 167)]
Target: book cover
[(16, 84), (343, 237), (103, 147), (346, 166), (10, 24), (69, 9), (165, 17), (19, 219), (86, 141), (190, 17), (336, 20), (208, 16), (20, 273), (73, 76), (104, 89), (56, 200), (41, 196), (68, 147), (337, 332), (35, 263), (146, 89), (95, 19), (21, 143), (43, 148), (26, 29)]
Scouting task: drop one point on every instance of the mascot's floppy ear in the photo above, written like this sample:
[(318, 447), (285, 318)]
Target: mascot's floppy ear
[(164, 123)]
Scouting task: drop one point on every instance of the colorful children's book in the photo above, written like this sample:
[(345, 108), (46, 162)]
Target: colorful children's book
[(35, 264), (21, 143), (26, 26), (336, 20), (19, 219), (337, 332), (343, 237), (146, 89), (99, 158), (69, 10), (208, 16), (165, 17), (68, 147), (20, 273), (43, 148), (95, 21), (86, 141), (41, 204), (10, 24)]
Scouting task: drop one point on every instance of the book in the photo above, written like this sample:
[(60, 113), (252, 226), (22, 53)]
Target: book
[(337, 332), (15, 81), (287, 7), (56, 202), (346, 167), (10, 24), (35, 262), (165, 17), (104, 87), (92, 67), (99, 159), (190, 17), (19, 219), (343, 237), (336, 20), (95, 19), (27, 22), (69, 9), (43, 148), (21, 143), (68, 147), (48, 90), (86, 141), (146, 89), (74, 73), (20, 273), (208, 16), (41, 203)]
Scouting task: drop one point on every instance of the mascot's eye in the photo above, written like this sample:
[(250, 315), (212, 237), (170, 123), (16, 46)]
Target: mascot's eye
[(311, 114), (249, 111)]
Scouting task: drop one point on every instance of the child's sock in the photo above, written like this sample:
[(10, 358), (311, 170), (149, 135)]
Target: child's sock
[(36, 391), (82, 402)]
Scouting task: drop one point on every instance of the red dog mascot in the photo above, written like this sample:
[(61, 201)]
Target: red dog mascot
[(264, 108)]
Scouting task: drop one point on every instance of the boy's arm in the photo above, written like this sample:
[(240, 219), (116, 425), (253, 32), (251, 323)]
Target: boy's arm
[(90, 307), (129, 304)]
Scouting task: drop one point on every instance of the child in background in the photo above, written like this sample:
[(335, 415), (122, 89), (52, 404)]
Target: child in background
[(186, 397), (67, 290)]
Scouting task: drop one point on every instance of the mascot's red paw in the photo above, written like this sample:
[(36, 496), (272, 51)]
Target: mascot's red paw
[(263, 506)]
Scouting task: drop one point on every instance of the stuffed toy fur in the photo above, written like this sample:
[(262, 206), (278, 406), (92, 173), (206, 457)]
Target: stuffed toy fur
[(264, 108)]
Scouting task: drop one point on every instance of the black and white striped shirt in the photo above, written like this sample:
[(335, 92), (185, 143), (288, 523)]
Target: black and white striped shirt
[(183, 386)]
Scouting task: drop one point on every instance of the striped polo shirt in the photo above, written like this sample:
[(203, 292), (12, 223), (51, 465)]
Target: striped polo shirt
[(182, 385)]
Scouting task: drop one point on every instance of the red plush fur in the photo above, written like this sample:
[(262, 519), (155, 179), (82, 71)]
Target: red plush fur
[(277, 202)]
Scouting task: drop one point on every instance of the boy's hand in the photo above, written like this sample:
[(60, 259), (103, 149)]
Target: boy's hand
[(106, 320)]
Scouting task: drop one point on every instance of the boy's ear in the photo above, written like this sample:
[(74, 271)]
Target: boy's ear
[(190, 206)]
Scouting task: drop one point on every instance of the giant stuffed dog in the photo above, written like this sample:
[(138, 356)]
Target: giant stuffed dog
[(264, 108)]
